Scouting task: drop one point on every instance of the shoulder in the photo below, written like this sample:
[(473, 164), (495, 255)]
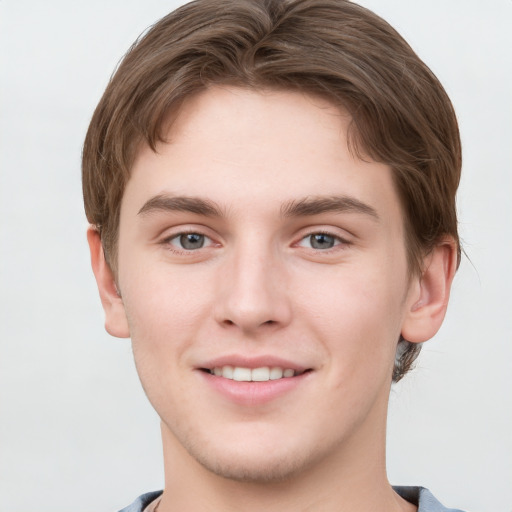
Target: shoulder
[(423, 499), (142, 502)]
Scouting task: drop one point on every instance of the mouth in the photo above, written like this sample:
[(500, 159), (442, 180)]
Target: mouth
[(261, 374), (253, 381)]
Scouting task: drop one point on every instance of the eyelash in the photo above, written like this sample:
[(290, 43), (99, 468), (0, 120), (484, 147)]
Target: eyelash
[(168, 242), (338, 241)]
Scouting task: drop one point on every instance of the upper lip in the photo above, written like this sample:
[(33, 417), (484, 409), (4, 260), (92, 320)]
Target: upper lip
[(253, 362)]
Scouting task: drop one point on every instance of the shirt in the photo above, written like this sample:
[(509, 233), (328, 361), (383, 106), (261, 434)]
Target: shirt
[(419, 496)]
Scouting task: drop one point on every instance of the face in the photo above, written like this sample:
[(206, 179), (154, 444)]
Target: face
[(264, 280)]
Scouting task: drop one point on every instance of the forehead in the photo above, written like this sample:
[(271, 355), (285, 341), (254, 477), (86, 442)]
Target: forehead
[(233, 145)]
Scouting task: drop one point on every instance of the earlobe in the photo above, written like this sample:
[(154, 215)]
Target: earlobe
[(429, 294), (116, 322)]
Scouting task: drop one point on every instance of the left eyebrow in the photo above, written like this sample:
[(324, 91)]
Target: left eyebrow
[(309, 206)]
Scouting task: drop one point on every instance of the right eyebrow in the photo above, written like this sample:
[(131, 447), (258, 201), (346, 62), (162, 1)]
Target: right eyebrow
[(167, 203)]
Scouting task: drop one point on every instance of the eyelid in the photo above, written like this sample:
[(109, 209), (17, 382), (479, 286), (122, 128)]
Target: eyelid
[(337, 240), (339, 234), (179, 235), (178, 231), (172, 231)]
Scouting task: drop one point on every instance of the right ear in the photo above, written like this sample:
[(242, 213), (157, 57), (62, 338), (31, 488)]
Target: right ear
[(116, 322)]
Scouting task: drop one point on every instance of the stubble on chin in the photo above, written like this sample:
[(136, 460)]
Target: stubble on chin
[(258, 469)]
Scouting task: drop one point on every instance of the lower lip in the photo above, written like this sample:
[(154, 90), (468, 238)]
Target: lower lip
[(253, 393)]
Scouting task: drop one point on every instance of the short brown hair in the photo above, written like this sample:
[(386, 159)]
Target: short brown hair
[(401, 115)]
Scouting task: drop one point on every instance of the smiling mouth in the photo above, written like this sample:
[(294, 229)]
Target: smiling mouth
[(262, 374)]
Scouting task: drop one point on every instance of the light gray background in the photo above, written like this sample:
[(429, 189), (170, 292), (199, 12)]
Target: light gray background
[(76, 432)]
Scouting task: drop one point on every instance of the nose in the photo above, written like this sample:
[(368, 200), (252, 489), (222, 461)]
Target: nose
[(252, 290)]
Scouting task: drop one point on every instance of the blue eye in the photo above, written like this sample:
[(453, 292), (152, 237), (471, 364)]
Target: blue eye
[(189, 241), (321, 241)]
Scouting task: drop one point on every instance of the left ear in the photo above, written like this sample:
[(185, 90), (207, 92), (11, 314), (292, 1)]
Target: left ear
[(429, 293)]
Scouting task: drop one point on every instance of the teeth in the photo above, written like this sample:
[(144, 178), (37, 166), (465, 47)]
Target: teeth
[(227, 372), (276, 373), (242, 374), (262, 374)]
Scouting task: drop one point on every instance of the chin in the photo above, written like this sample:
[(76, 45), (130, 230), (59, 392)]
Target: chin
[(252, 463), (248, 470)]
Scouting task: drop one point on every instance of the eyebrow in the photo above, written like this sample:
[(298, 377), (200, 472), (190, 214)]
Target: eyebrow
[(305, 207), (168, 203), (310, 206)]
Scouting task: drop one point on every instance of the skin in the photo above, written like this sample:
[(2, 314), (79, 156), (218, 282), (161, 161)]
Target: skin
[(261, 285)]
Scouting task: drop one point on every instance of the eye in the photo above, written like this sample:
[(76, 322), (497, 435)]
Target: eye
[(189, 241), (321, 241)]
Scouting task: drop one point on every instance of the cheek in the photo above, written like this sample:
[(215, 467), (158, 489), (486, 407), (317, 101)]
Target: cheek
[(163, 324), (163, 310), (356, 315)]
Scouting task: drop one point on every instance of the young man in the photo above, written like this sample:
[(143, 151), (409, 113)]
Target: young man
[(271, 188)]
